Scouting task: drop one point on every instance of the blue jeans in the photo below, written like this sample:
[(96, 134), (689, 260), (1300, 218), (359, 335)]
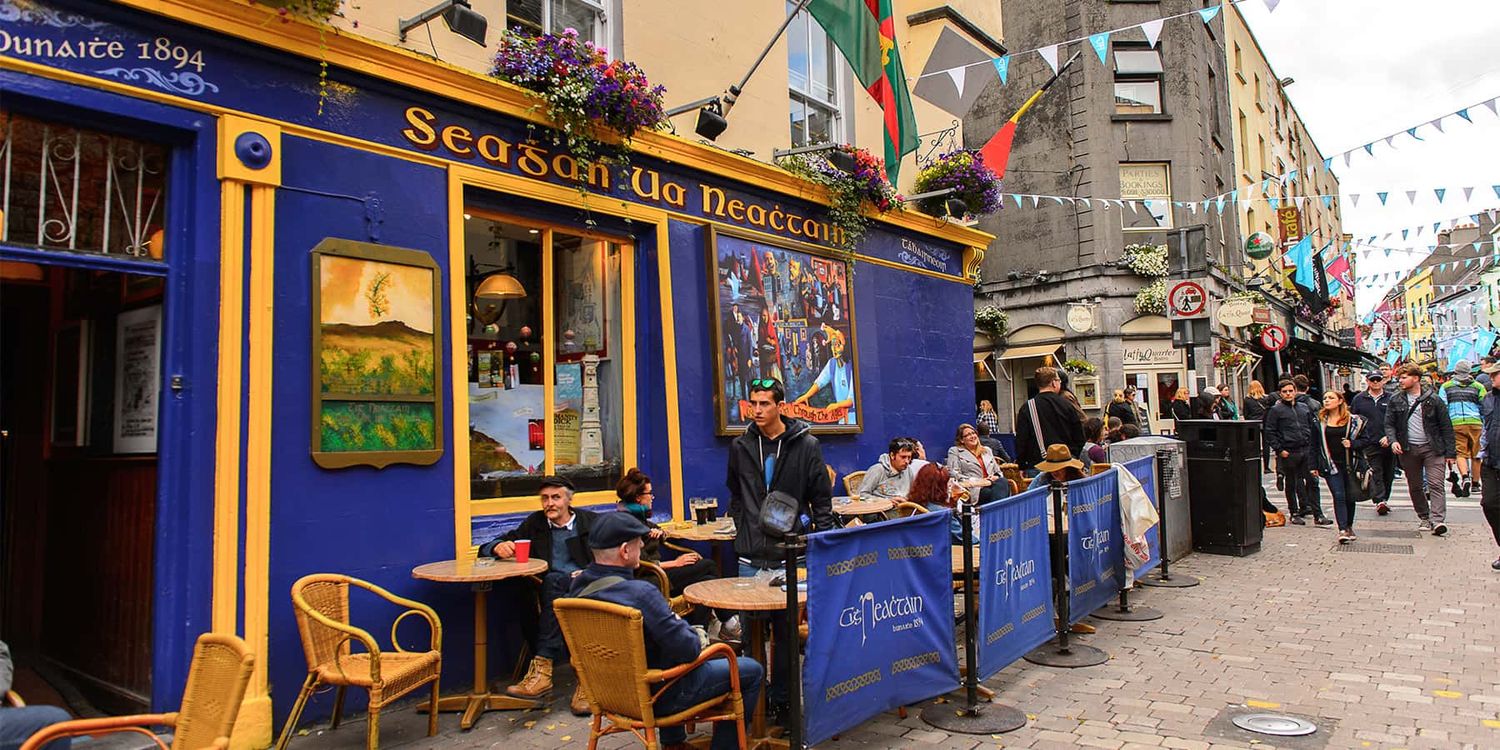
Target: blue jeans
[(549, 637), (1343, 499), (708, 680), (780, 639), (17, 724)]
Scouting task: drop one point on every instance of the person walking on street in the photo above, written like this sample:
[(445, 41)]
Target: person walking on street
[(1463, 396), (987, 416), (1489, 459), (1227, 409), (1341, 436), (1417, 425), (1372, 404), (1313, 403), (1046, 419), (1121, 409), (1291, 429), (1257, 402)]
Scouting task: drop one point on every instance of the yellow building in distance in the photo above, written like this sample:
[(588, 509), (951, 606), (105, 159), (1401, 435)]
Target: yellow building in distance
[(1419, 294), (802, 93)]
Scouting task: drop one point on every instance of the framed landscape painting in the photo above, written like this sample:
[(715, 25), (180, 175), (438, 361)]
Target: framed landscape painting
[(783, 310), (377, 394)]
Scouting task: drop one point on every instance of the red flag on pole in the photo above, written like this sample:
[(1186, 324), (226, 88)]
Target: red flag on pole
[(996, 151)]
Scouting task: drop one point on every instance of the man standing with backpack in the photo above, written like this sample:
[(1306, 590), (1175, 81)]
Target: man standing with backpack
[(1463, 395)]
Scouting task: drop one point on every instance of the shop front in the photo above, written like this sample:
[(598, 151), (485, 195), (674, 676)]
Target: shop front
[(1154, 367), (377, 327)]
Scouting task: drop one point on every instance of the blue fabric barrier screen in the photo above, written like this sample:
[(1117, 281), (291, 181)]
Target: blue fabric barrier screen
[(1015, 579), (879, 619), (1144, 470), (1094, 553)]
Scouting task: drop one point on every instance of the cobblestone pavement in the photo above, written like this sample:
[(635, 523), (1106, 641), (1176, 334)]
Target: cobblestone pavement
[(1383, 649)]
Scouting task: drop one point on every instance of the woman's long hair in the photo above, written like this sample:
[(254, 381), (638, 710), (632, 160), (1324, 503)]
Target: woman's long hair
[(930, 487), (1339, 410), (1257, 391), (629, 490), (958, 437)]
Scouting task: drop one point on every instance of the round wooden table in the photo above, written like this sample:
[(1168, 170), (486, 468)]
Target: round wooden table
[(746, 595), (481, 575), (719, 531), (862, 507)]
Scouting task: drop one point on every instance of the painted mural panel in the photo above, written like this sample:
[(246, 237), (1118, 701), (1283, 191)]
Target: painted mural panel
[(786, 314)]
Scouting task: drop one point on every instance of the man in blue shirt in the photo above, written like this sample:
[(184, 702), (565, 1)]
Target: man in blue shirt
[(670, 641)]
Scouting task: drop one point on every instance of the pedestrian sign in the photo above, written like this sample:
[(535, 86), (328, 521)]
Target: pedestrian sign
[(1273, 339), (1186, 300)]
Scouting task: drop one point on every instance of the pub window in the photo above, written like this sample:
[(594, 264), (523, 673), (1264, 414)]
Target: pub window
[(546, 357), (1138, 78), (588, 18), (813, 73), (1150, 184), (81, 190)]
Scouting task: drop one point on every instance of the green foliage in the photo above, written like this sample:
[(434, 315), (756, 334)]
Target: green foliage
[(1080, 367), (1152, 298), (409, 372), (992, 320), (364, 426)]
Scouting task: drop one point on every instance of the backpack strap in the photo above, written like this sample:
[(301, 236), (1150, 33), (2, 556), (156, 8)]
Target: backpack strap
[(597, 585)]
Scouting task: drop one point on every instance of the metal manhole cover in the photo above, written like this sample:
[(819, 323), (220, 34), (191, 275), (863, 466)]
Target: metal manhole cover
[(1394, 534), (1388, 549), (1277, 724)]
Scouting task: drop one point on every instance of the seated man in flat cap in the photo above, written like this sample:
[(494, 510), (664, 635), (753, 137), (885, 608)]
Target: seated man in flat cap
[(670, 641)]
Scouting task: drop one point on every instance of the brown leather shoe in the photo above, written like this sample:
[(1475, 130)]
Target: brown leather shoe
[(537, 682), (580, 703)]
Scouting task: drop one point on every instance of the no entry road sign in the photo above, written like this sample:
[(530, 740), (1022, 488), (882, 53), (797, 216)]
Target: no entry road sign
[(1186, 300), (1273, 339)]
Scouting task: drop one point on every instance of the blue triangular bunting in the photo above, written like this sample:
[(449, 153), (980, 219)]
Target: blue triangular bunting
[(1207, 14), (1100, 43), (1002, 66)]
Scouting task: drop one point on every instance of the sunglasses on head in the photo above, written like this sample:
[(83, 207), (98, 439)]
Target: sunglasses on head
[(763, 383)]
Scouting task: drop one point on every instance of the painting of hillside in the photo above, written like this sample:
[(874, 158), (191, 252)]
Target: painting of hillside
[(388, 358)]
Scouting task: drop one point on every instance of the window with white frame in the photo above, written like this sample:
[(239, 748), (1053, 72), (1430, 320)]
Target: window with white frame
[(1148, 183), (588, 17), (1138, 79), (813, 74)]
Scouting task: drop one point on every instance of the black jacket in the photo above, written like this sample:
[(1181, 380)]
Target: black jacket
[(1435, 421), (1180, 410), (1490, 407), (1290, 426), (1255, 408), (669, 640), (538, 529), (997, 448), (799, 472), (1373, 410), (1060, 424), (1123, 411)]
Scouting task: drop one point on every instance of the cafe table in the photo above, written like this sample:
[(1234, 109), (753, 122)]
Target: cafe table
[(849, 506), (746, 595), (481, 575)]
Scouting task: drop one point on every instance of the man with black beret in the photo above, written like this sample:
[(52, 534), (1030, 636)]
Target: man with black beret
[(559, 536), (670, 641)]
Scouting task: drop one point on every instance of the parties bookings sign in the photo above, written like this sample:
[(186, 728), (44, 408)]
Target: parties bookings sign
[(1094, 554), (1015, 579), (1144, 470), (880, 600)]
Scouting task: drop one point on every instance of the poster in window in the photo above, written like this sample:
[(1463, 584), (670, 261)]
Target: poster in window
[(783, 311), (376, 394), (567, 413), (137, 379)]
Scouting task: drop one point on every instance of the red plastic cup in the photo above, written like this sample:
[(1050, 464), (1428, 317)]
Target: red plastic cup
[(523, 550)]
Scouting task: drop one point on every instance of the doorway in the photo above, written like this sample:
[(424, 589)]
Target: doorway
[(80, 385)]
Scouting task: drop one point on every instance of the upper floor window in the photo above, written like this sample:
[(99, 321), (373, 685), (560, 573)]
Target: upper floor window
[(813, 76), (1138, 78), (588, 17)]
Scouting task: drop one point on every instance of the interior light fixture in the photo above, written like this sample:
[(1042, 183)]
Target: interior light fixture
[(460, 18), (498, 287)]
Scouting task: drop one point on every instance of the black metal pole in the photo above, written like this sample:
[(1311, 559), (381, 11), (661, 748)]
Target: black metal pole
[(1163, 465), (971, 647), (1060, 564), (793, 646)]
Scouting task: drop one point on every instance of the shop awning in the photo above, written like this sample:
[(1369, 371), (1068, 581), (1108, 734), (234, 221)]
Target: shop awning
[(1328, 353), (1035, 350), (982, 369)]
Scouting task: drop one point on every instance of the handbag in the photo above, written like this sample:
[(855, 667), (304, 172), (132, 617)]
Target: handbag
[(778, 514)]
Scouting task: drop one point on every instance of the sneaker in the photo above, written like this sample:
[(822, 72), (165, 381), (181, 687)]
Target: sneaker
[(1278, 482), (1297, 520), (1424, 526), (1343, 537), (731, 630), (1440, 529), (1495, 565), (1351, 535), (1324, 521), (1468, 487), (1381, 509)]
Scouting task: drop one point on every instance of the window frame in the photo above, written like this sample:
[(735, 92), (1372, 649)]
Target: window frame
[(1171, 218), (602, 25), (840, 87), (1159, 78)]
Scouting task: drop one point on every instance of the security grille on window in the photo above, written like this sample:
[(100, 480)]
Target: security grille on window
[(813, 72), (1150, 185), (553, 16), (1138, 75), (69, 188)]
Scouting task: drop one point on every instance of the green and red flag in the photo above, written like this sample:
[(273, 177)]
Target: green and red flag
[(865, 31)]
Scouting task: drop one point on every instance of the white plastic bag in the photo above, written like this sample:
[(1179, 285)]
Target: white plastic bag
[(1137, 515)]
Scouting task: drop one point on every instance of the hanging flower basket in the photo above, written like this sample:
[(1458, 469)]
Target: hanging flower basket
[(1152, 300), (993, 321), (581, 88), (1080, 367), (1145, 260), (850, 191), (1229, 359), (964, 172)]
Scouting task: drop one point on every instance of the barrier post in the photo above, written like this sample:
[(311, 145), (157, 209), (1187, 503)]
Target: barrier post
[(1123, 612), (793, 545), (971, 719), (1063, 653), (1163, 578)]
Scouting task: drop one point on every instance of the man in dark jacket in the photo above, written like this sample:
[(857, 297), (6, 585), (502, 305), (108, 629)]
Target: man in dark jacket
[(1291, 429), (1314, 403), (1372, 405), (1489, 457), (670, 641), (1059, 420), (559, 536), (775, 454), (1421, 435)]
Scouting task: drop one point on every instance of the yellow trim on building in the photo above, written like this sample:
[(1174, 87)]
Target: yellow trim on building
[(669, 366), (226, 572)]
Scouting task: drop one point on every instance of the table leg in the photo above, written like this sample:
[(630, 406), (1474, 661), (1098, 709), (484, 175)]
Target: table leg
[(480, 699)]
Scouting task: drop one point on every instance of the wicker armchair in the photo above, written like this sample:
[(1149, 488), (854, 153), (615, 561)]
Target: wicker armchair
[(609, 653), (907, 509), (852, 481), (321, 602), (13, 699), (657, 576), (833, 478), (217, 678)]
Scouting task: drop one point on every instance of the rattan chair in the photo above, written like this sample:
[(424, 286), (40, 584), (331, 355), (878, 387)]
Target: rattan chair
[(609, 653), (852, 481), (657, 576), (321, 603), (217, 678), (833, 478), (13, 699), (907, 509)]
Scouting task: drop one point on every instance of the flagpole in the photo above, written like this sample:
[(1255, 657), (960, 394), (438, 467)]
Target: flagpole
[(1038, 95)]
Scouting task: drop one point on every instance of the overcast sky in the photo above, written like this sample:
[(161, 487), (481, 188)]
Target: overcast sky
[(1367, 68)]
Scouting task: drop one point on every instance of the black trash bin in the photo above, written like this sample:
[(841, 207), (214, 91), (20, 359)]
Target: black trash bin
[(1223, 458)]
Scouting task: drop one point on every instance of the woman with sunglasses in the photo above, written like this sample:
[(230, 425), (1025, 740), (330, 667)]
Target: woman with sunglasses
[(634, 491)]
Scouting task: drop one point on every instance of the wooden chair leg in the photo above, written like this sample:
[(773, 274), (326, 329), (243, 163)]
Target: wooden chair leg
[(433, 713), (338, 708), (651, 739), (594, 732), (291, 720), (372, 730)]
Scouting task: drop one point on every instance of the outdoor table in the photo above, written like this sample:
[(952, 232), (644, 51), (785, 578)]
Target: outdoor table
[(847, 506), (746, 595), (716, 534), (480, 575)]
